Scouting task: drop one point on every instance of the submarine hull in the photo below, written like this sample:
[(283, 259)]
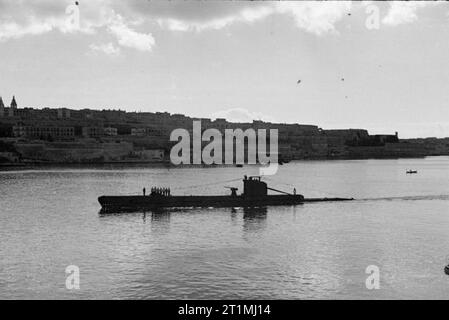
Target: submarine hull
[(133, 203)]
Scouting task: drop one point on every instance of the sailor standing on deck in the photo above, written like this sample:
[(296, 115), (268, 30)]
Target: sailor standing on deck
[(144, 191), (294, 191)]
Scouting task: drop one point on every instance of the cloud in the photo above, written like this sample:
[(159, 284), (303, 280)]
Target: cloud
[(127, 37), (241, 115), (22, 18), (402, 12), (245, 15), (190, 11), (107, 48), (317, 18), (31, 25), (13, 30), (121, 18)]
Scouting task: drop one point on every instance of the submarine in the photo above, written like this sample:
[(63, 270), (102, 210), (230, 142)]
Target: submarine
[(255, 194)]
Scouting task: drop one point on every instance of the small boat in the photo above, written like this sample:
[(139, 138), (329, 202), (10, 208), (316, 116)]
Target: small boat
[(239, 165), (446, 269), (411, 171)]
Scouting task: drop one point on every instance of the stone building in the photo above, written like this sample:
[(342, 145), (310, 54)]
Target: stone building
[(139, 132), (63, 113), (41, 132), (109, 131), (92, 132)]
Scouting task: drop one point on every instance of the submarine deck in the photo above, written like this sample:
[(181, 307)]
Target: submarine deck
[(157, 201)]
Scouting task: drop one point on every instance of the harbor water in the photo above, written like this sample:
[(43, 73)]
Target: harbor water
[(50, 219)]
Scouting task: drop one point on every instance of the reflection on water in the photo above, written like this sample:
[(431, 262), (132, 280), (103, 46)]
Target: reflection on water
[(254, 219), (159, 218), (162, 216), (160, 221)]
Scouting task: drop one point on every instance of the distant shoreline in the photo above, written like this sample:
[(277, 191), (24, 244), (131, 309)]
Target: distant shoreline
[(167, 165)]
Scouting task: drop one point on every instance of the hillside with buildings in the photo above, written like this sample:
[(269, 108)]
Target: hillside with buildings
[(63, 135)]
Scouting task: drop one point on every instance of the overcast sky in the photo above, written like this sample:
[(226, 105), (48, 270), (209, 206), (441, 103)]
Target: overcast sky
[(240, 60)]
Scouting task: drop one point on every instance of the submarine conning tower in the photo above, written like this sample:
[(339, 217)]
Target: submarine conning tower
[(253, 187)]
